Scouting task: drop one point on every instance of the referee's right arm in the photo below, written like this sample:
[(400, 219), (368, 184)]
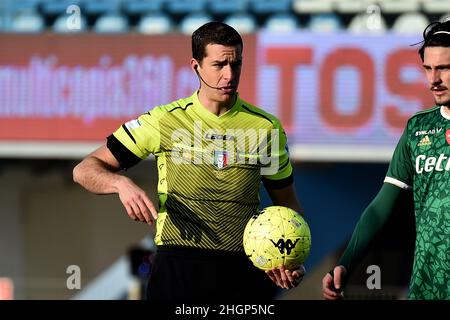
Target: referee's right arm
[(97, 173)]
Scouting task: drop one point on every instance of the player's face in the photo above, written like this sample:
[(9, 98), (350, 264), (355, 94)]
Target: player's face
[(221, 68), (437, 67)]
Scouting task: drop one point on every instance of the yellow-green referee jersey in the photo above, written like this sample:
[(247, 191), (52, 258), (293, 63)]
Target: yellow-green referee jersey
[(209, 168)]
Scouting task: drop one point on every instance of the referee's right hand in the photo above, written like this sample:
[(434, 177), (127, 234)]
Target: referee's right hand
[(332, 285), (138, 205)]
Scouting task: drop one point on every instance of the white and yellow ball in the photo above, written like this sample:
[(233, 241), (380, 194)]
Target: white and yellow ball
[(277, 236)]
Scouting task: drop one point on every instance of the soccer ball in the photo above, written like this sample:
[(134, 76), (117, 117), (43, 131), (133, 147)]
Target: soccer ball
[(276, 236)]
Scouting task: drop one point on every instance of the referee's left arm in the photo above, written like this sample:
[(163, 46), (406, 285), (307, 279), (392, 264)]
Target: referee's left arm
[(285, 197)]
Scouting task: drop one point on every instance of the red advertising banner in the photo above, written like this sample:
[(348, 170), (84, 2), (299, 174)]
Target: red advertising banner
[(341, 96), (71, 88), (338, 96)]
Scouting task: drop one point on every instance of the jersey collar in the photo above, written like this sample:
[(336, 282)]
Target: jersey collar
[(206, 113), (445, 115)]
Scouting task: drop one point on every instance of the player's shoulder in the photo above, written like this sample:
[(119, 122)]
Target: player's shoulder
[(258, 112), (426, 112), (171, 108), (423, 116)]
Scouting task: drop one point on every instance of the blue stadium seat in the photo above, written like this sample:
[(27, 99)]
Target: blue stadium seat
[(22, 5), (61, 25), (350, 6), (410, 24), (154, 23), (282, 22), (270, 6), (101, 7), (313, 6), (185, 7), (367, 24), (242, 22), (27, 22), (325, 22), (139, 7), (228, 6), (57, 7), (11, 9), (399, 6), (193, 21), (436, 6), (111, 23)]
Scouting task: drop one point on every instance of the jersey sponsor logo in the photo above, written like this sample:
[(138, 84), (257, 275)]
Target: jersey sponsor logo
[(447, 136), (213, 136), (429, 164), (425, 141), (428, 132), (220, 159)]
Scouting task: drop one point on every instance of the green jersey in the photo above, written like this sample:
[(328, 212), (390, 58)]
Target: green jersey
[(421, 162), (209, 168)]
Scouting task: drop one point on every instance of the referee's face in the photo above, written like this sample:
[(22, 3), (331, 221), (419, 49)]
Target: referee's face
[(220, 71)]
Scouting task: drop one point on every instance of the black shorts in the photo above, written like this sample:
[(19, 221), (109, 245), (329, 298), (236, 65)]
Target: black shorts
[(186, 274)]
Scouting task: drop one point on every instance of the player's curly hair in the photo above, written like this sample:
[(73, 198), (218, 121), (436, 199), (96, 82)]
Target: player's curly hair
[(213, 33), (436, 34)]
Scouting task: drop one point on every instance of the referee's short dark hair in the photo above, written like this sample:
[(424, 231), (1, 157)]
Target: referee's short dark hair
[(213, 33), (436, 34)]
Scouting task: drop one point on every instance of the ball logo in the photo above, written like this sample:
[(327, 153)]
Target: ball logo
[(447, 136), (288, 245)]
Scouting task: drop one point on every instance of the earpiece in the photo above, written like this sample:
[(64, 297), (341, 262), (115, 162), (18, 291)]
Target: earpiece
[(201, 79)]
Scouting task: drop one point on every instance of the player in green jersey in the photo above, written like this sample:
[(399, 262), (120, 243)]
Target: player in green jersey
[(213, 149), (421, 163)]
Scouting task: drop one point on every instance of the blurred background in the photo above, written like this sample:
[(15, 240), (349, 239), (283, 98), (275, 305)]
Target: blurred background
[(341, 75)]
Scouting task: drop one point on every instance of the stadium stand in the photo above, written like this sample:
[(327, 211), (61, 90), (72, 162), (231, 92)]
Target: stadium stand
[(138, 7), (243, 23), (281, 22), (325, 22), (311, 6), (367, 23), (111, 23), (27, 22), (193, 21), (168, 16), (410, 23), (269, 6), (61, 25), (185, 7), (436, 6), (227, 7), (154, 23), (400, 6)]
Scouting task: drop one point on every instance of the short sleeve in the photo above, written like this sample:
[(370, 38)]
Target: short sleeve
[(400, 172), (280, 172), (136, 139)]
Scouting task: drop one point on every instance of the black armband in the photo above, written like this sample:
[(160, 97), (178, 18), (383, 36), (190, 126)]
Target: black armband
[(126, 158), (278, 184)]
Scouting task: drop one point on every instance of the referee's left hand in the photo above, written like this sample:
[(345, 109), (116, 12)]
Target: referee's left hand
[(286, 279)]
